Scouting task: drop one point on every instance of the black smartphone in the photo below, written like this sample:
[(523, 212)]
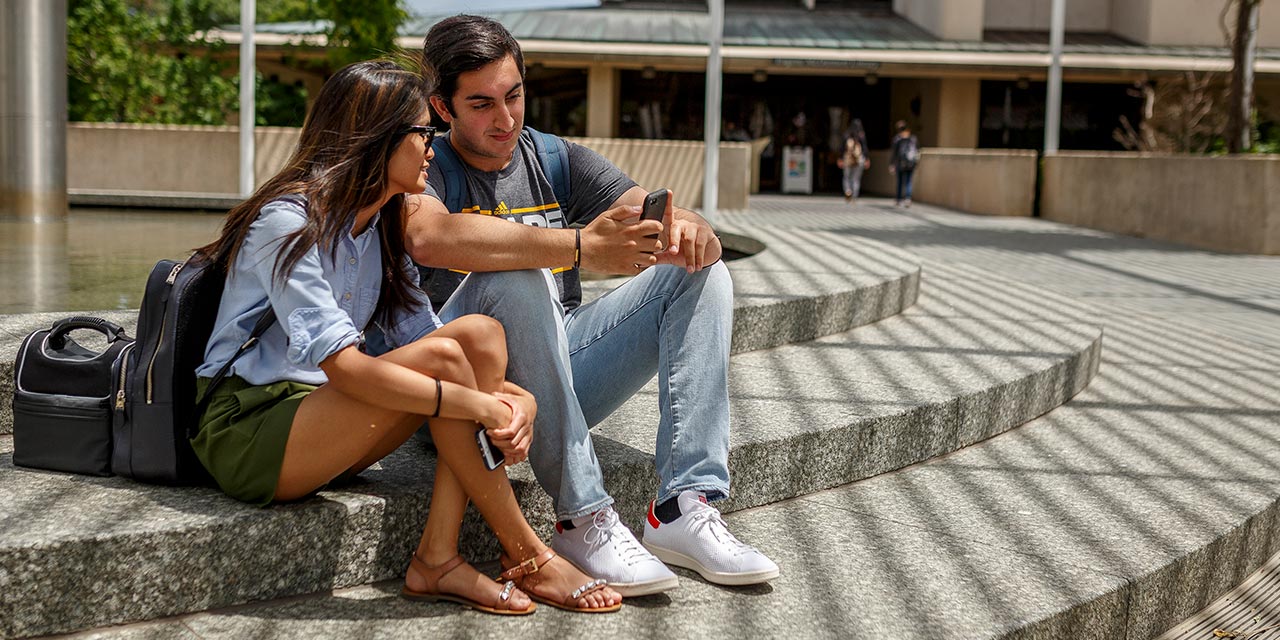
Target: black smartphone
[(493, 457), (655, 204)]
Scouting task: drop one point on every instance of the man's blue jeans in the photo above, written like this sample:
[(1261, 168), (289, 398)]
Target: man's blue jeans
[(584, 365), (905, 178)]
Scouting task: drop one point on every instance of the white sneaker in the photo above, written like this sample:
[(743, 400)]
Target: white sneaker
[(606, 548), (700, 540)]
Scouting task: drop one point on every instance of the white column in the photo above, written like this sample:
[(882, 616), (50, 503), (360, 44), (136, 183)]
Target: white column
[(1053, 101), (248, 72), (711, 119), (33, 109)]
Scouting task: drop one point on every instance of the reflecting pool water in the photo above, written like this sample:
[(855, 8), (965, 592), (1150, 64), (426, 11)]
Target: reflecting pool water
[(96, 259), (99, 259)]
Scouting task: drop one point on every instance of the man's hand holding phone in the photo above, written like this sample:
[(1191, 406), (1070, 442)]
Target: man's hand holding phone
[(685, 240), (629, 239), (618, 242)]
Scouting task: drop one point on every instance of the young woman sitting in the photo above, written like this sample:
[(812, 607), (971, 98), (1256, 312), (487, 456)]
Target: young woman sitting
[(320, 245)]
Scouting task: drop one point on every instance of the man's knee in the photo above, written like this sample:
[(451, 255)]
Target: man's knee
[(716, 283), (512, 295)]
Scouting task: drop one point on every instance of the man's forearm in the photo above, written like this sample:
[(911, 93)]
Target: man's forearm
[(684, 214), (474, 242)]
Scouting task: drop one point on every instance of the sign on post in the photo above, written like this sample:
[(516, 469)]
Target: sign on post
[(797, 169)]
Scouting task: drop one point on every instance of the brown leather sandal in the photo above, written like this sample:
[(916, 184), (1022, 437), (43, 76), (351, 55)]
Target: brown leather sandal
[(535, 564), (432, 576)]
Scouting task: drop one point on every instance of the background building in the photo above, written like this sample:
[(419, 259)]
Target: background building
[(963, 73)]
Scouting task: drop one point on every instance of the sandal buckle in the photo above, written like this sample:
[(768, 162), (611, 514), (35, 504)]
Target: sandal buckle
[(529, 567)]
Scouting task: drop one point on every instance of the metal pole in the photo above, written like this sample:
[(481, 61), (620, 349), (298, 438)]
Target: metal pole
[(1053, 101), (248, 72), (33, 109), (711, 119)]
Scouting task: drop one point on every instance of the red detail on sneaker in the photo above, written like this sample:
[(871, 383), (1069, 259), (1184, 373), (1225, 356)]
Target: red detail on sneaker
[(653, 519), (559, 527), (702, 499)]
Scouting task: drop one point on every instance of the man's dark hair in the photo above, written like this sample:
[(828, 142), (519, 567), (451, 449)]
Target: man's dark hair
[(900, 126), (465, 43)]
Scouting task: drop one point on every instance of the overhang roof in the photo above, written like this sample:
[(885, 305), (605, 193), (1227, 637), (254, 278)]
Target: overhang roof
[(834, 36)]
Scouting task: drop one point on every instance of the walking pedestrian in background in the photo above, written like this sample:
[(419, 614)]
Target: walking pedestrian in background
[(853, 160), (904, 154)]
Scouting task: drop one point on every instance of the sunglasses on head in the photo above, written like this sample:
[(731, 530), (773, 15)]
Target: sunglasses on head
[(428, 133)]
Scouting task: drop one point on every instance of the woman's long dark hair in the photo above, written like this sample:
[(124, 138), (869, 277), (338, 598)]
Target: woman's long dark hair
[(340, 167)]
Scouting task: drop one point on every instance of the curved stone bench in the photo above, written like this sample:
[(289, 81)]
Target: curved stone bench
[(808, 414), (774, 302), (69, 534), (1114, 516)]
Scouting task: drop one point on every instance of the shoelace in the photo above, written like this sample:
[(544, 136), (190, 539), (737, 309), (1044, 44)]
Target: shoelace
[(602, 531), (708, 517)]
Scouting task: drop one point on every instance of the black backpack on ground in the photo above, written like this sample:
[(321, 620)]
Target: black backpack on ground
[(155, 411)]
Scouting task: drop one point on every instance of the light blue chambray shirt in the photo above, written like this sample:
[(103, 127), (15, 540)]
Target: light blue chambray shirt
[(321, 308)]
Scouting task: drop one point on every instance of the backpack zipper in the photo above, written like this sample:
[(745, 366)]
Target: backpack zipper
[(151, 365), (173, 276), (124, 370)]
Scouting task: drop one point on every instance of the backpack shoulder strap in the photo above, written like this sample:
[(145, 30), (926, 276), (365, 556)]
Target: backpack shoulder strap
[(553, 157), (449, 165)]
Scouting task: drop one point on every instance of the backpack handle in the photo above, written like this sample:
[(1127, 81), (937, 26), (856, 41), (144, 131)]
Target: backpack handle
[(58, 334)]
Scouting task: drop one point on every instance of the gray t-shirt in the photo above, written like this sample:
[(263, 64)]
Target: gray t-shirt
[(521, 193)]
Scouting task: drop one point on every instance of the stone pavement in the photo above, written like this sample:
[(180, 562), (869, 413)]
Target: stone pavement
[(1114, 516)]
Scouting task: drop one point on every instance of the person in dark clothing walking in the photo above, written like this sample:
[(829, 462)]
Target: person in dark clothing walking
[(853, 159), (903, 157)]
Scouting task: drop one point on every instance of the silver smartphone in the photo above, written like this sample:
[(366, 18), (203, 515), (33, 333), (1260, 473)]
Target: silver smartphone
[(493, 457)]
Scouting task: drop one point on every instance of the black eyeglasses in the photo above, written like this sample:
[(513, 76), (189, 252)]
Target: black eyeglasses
[(428, 133)]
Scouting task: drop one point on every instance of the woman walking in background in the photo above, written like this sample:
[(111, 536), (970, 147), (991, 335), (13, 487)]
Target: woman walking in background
[(853, 160)]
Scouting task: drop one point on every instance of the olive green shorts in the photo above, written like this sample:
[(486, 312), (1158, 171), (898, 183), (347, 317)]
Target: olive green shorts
[(243, 433)]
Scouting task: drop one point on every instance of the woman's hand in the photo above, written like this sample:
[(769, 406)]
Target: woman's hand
[(515, 437)]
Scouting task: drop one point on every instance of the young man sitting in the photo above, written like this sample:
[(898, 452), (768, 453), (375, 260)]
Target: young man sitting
[(673, 318)]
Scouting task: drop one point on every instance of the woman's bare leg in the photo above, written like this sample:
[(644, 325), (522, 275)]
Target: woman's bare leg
[(484, 342), (329, 437)]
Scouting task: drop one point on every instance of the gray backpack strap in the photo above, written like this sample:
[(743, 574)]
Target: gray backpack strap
[(449, 165), (553, 157)]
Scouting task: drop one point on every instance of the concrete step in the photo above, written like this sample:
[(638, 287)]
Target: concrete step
[(1171, 481), (1114, 516), (167, 200), (781, 296), (805, 417), (1249, 611)]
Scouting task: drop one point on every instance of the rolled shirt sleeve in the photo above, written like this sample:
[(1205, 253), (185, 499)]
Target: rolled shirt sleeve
[(304, 303)]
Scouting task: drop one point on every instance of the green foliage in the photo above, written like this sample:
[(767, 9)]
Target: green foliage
[(1267, 135), (280, 104), (137, 62), (363, 30), (207, 14), (283, 10), (148, 61)]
